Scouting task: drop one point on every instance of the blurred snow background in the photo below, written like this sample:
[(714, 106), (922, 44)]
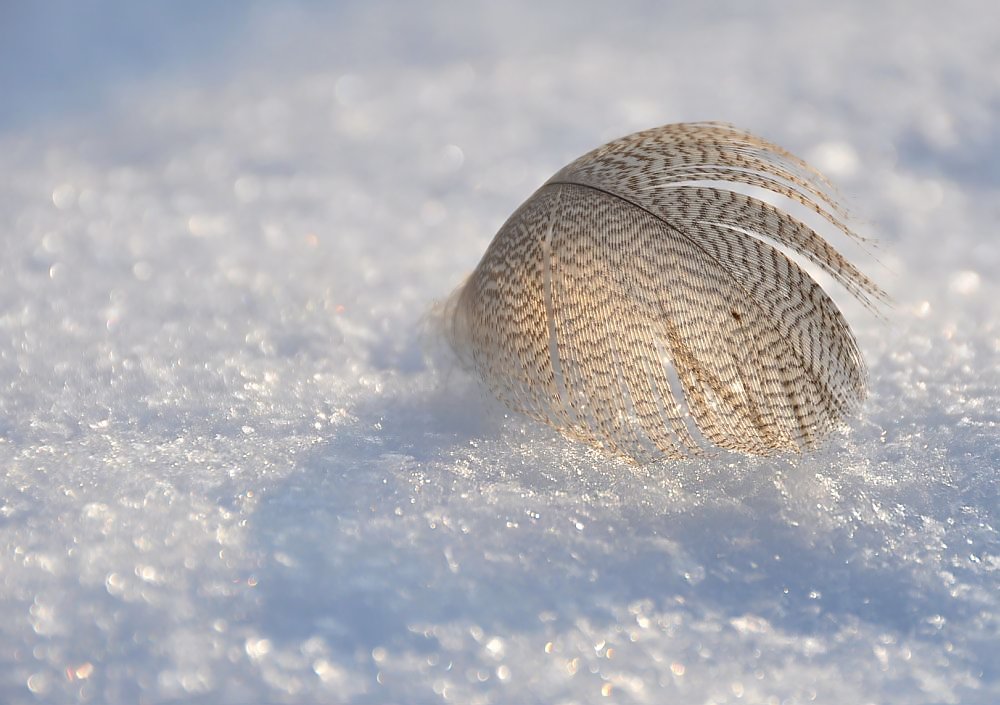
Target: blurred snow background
[(231, 473)]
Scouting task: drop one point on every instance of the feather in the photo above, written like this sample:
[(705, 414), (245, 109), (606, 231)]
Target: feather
[(638, 303)]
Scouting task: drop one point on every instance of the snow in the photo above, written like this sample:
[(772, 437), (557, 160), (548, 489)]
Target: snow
[(238, 465)]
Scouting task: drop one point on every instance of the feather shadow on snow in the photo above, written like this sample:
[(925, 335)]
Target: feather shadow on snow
[(369, 554), (402, 519)]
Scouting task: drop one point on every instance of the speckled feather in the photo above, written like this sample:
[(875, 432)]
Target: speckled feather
[(636, 303)]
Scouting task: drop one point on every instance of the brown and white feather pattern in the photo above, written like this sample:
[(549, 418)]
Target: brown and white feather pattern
[(638, 304)]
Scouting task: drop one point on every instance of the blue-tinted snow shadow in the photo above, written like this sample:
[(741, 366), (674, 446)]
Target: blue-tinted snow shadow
[(377, 533), (969, 162)]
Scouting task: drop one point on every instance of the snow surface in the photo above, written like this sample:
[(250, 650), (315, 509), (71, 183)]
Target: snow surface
[(238, 468)]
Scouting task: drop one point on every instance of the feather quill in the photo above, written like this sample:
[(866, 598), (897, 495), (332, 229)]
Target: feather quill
[(638, 303)]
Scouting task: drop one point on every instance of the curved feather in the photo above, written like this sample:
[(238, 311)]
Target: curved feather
[(638, 303)]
